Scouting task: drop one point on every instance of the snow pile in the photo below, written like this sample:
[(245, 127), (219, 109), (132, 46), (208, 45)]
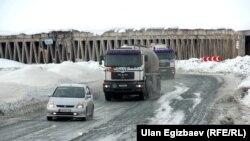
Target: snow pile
[(78, 72), (4, 63), (245, 85), (238, 65), (32, 76), (51, 75), (246, 99), (30, 84)]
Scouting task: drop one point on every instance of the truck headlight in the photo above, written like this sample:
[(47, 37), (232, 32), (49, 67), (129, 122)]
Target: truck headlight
[(106, 86), (172, 64), (139, 86)]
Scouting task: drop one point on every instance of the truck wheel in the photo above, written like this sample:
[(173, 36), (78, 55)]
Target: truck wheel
[(149, 90), (158, 85), (142, 96), (118, 96), (108, 96), (49, 118), (172, 76)]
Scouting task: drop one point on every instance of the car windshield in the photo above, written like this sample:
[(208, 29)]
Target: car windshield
[(70, 92), (123, 60), (165, 55)]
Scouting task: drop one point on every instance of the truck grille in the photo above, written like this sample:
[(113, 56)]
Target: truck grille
[(122, 75), (164, 64)]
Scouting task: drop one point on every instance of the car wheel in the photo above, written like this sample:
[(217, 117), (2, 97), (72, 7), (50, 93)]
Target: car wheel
[(92, 113), (49, 118), (86, 114)]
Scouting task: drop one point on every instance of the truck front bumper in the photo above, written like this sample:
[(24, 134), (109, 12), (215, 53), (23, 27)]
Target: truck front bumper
[(125, 87), (167, 71)]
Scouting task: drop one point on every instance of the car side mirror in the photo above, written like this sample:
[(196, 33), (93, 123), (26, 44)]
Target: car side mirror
[(49, 95), (88, 96)]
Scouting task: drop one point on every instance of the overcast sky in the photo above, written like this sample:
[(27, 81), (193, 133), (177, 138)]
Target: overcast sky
[(98, 15)]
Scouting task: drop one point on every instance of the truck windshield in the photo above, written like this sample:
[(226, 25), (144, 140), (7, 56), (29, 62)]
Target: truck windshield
[(123, 60), (165, 55)]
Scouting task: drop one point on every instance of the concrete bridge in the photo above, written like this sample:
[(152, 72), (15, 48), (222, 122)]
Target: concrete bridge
[(84, 46)]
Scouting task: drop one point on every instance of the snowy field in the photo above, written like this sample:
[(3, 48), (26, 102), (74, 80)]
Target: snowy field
[(23, 85)]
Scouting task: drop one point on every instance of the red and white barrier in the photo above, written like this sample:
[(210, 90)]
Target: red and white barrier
[(211, 58)]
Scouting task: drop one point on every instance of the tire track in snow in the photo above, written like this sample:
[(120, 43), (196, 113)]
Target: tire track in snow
[(165, 114)]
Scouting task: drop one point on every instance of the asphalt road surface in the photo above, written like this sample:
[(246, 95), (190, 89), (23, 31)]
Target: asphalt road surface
[(192, 96)]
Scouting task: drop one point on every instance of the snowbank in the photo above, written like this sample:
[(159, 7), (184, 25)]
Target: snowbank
[(4, 63), (238, 65), (245, 83), (246, 99), (78, 72), (23, 84), (32, 76), (245, 86)]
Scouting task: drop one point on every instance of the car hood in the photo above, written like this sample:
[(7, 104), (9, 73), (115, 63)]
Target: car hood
[(66, 101)]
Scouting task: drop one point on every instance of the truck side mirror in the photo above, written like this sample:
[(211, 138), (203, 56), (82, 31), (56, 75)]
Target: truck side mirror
[(101, 59)]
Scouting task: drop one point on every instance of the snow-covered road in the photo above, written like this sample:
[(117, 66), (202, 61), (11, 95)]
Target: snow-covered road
[(184, 100), (216, 93)]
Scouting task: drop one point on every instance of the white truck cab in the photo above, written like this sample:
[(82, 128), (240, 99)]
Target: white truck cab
[(166, 60), (131, 70)]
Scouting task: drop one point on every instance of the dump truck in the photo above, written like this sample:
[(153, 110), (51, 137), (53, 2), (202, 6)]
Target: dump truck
[(166, 57), (131, 70)]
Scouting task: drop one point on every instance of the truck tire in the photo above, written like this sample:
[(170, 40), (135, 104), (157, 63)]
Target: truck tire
[(118, 96), (108, 96), (149, 87), (158, 85), (173, 76), (142, 96), (49, 118)]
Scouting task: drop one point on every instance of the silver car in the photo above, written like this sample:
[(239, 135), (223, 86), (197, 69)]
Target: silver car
[(71, 100)]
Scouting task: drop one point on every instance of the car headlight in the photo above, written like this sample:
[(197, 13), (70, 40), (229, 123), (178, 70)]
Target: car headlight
[(50, 104), (80, 105)]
